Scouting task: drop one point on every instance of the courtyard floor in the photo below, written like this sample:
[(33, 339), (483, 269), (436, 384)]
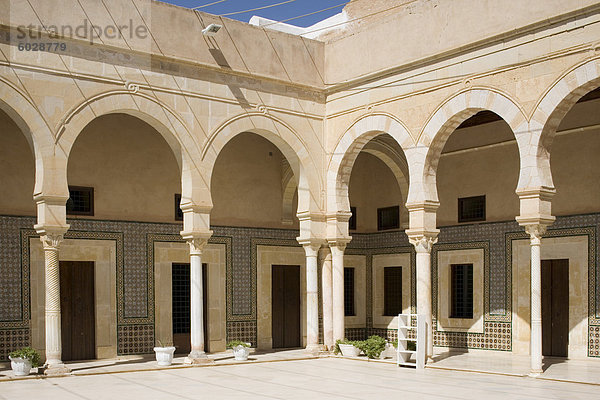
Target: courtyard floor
[(324, 378)]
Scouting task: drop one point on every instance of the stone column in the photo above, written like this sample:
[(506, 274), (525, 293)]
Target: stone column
[(337, 253), (423, 245), (535, 234), (312, 298), (326, 281), (197, 354), (54, 364), (535, 216)]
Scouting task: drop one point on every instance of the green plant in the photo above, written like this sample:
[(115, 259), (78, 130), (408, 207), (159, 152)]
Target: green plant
[(373, 346), (410, 345), (235, 343), (29, 354)]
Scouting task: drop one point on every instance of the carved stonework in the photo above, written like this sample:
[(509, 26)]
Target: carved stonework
[(536, 231), (423, 243), (52, 241), (197, 244)]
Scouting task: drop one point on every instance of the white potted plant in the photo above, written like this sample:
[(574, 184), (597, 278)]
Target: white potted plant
[(22, 360), (164, 354), (241, 350), (348, 348)]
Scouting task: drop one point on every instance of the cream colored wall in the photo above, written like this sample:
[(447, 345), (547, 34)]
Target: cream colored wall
[(372, 186), (445, 260), (575, 163), (17, 170), (359, 263), (214, 255), (380, 261), (103, 254), (131, 167), (266, 257), (246, 184), (575, 249)]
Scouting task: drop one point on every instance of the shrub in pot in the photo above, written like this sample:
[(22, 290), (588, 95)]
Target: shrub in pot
[(164, 354), (373, 346), (241, 350), (22, 360), (348, 348)]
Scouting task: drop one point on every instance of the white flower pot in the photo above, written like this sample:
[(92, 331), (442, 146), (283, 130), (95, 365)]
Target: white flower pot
[(241, 352), (164, 355), (20, 366), (349, 350)]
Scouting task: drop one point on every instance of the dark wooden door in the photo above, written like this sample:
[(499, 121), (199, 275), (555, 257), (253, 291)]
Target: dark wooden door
[(180, 278), (555, 308), (286, 305), (78, 322)]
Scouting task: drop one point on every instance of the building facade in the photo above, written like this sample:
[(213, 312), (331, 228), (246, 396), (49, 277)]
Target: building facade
[(428, 156)]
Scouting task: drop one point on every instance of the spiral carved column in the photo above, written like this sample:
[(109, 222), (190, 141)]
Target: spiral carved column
[(54, 364), (535, 234), (423, 245)]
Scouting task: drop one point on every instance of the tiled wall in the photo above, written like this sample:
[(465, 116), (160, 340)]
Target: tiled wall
[(135, 277)]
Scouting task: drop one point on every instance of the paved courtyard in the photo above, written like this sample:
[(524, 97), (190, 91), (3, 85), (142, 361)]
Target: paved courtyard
[(327, 378)]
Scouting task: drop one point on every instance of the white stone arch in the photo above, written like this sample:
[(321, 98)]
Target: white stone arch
[(284, 138), (442, 124), (23, 111), (550, 110), (349, 146), (168, 123)]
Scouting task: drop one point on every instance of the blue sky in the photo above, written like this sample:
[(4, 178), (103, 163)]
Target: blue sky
[(293, 9)]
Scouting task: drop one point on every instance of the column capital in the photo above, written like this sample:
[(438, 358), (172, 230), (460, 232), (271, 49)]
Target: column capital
[(338, 244), (311, 246), (196, 241), (51, 236), (423, 241), (536, 231)]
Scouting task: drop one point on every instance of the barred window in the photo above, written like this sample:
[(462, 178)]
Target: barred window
[(181, 298), (392, 291), (349, 292), (471, 209), (461, 291), (81, 200), (388, 218)]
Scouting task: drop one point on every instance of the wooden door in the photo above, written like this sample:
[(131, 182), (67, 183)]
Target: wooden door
[(78, 322), (180, 279), (555, 308), (285, 305)]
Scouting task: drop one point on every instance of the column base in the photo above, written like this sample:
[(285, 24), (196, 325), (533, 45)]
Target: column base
[(315, 349), (535, 373), (56, 369), (198, 358)]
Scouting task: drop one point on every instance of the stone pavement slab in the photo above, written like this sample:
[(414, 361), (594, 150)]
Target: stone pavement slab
[(324, 378)]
